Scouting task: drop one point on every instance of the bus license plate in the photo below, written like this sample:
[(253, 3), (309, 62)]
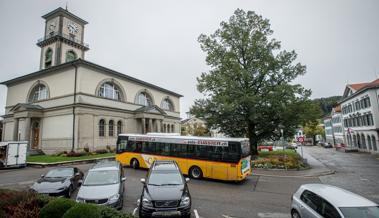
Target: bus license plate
[(166, 213)]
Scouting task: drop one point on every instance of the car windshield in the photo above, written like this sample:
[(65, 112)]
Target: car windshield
[(63, 172), (361, 212), (103, 177), (164, 178)]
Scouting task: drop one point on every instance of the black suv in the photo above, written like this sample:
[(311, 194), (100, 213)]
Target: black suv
[(165, 192)]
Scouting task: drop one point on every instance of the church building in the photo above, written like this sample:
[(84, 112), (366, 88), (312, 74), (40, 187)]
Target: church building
[(71, 103)]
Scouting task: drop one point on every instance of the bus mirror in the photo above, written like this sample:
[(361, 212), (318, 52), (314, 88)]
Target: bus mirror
[(187, 179), (143, 181)]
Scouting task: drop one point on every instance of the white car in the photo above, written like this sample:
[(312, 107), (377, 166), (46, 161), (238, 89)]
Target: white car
[(326, 201)]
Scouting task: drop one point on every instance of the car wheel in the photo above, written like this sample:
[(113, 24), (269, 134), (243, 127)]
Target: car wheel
[(295, 214), (195, 172), (134, 163)]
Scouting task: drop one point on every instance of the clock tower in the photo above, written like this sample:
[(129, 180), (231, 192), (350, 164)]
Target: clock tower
[(63, 39)]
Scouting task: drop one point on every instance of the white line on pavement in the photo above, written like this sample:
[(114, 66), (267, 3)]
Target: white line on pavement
[(196, 213), (134, 211)]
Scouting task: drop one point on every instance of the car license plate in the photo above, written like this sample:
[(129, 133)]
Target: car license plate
[(166, 213)]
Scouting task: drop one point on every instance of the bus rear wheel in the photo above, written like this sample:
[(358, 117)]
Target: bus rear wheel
[(195, 172), (134, 163)]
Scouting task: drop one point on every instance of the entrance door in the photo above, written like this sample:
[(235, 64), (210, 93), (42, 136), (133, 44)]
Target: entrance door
[(35, 135)]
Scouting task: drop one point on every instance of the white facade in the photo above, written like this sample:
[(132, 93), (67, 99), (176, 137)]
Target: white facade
[(360, 112), (78, 104), (338, 127), (328, 130)]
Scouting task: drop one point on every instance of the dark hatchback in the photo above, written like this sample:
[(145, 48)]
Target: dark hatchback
[(165, 192), (58, 182)]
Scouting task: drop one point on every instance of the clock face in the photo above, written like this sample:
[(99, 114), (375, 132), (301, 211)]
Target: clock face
[(72, 28), (52, 26)]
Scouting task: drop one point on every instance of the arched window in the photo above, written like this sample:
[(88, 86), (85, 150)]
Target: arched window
[(70, 56), (355, 140), (369, 142), (144, 98), (359, 143), (110, 90), (374, 143), (363, 140), (164, 128), (172, 128), (111, 128), (38, 93), (102, 128), (167, 105), (119, 127), (48, 58)]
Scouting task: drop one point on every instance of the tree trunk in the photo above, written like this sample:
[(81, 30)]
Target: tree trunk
[(252, 139)]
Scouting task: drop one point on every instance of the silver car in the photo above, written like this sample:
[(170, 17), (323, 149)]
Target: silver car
[(104, 184), (326, 201)]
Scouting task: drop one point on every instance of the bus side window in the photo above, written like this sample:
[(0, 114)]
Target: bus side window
[(230, 153), (190, 151), (178, 150), (215, 153), (148, 147), (201, 152), (121, 144), (163, 149), (131, 146)]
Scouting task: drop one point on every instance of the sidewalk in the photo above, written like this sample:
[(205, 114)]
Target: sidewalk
[(317, 169)]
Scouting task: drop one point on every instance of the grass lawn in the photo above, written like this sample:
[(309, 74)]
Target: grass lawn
[(53, 159)]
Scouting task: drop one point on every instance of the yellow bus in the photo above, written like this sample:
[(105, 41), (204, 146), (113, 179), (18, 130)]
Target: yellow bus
[(215, 158)]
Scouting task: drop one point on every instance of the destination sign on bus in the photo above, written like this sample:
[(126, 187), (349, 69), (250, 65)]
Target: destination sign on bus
[(181, 141)]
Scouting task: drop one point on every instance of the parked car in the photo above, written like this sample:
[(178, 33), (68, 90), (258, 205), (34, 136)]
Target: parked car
[(291, 146), (165, 192), (59, 182), (104, 184), (328, 145), (326, 201), (265, 148)]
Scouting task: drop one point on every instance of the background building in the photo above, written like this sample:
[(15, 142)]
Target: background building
[(337, 124), (328, 130), (71, 103), (360, 112)]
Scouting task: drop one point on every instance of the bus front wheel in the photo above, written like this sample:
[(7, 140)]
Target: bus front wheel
[(195, 172), (134, 163)]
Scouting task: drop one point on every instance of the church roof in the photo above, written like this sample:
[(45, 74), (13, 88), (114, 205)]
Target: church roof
[(81, 62), (61, 11)]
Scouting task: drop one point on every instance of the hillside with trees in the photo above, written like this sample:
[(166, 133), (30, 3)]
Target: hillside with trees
[(326, 104)]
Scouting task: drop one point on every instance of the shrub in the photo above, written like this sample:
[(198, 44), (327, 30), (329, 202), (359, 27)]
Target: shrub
[(83, 211), (76, 154), (28, 208), (101, 151), (86, 149), (56, 208)]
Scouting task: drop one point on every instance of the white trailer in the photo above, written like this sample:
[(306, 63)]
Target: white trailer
[(13, 154)]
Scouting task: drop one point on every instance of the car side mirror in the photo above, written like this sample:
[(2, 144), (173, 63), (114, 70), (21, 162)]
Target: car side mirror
[(187, 179), (42, 175), (123, 179), (143, 181)]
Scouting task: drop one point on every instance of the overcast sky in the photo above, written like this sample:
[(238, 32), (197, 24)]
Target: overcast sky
[(156, 41)]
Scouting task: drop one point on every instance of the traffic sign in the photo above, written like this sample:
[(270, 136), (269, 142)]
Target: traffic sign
[(300, 139)]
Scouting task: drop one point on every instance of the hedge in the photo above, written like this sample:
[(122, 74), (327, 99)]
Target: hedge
[(83, 211), (56, 208)]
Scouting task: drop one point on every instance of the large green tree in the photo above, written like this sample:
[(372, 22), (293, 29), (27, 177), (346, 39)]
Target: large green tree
[(248, 91)]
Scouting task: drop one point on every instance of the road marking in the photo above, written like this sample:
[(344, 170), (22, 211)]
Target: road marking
[(134, 211), (226, 216), (196, 213), (273, 215)]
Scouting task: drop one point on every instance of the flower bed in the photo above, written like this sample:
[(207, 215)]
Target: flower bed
[(287, 159)]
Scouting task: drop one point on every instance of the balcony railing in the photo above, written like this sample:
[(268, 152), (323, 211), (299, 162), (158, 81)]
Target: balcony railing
[(69, 37)]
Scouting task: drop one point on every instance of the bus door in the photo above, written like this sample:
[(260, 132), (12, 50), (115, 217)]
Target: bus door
[(218, 169), (179, 153)]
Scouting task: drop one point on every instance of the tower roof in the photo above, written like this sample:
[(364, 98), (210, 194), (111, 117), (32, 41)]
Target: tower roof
[(61, 11)]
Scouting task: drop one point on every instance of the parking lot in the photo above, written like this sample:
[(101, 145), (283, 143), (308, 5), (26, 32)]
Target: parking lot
[(258, 196)]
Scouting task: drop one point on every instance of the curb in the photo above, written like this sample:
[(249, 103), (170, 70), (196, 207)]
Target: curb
[(330, 172), (38, 164)]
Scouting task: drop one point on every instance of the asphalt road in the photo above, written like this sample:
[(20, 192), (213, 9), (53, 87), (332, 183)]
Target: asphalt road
[(357, 172), (258, 196)]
